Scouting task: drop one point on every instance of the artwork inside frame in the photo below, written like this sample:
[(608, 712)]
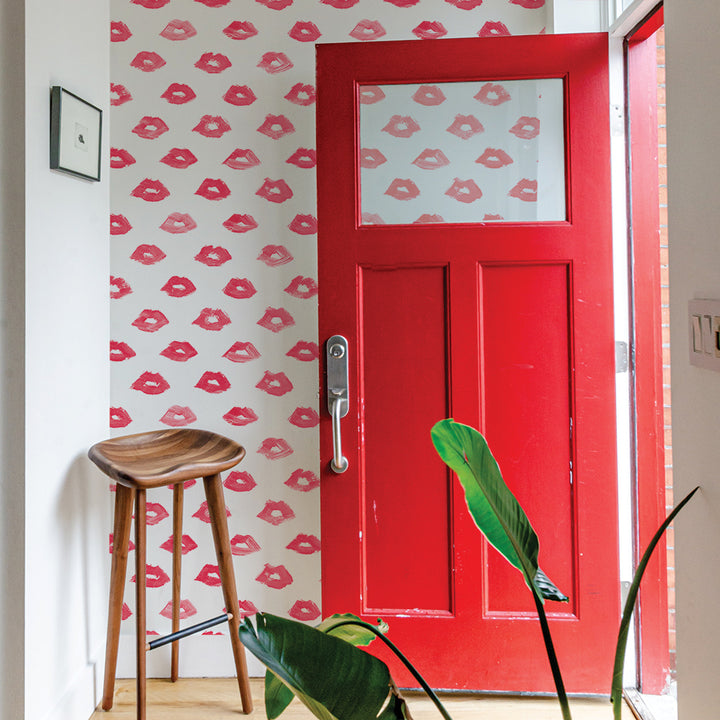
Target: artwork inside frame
[(75, 134)]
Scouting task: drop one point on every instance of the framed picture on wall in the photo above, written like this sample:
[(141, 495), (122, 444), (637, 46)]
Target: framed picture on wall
[(75, 134)]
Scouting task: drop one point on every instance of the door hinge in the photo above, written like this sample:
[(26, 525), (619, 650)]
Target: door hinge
[(621, 356)]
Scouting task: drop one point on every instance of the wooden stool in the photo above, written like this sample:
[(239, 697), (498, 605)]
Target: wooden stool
[(156, 459)]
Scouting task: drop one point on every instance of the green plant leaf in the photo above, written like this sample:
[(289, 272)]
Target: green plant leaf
[(333, 679), (493, 507), (278, 695), (616, 688)]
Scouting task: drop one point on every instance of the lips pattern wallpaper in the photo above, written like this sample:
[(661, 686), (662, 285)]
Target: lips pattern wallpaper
[(213, 264)]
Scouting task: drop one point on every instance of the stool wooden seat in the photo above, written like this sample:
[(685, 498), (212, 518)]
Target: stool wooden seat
[(156, 459)]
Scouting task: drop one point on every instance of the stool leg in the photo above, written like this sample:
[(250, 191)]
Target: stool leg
[(177, 564), (121, 537), (140, 620), (221, 537)]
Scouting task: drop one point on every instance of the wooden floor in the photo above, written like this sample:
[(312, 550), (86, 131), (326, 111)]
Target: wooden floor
[(219, 699)]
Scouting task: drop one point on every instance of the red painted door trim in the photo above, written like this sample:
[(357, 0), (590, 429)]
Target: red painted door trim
[(641, 86)]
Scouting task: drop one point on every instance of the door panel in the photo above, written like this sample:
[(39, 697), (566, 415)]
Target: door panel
[(503, 325)]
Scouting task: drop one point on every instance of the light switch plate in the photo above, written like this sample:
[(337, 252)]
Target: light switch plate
[(704, 333)]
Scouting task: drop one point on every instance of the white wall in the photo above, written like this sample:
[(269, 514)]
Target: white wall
[(66, 372), (693, 104)]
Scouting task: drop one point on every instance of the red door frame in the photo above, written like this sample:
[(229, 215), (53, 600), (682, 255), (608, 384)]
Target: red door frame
[(643, 228)]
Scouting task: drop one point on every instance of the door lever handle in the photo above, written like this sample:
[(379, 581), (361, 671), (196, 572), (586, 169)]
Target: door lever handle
[(338, 402)]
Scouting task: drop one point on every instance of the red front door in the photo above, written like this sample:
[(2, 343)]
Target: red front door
[(465, 254)]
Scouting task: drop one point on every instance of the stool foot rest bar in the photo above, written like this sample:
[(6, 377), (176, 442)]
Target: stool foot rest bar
[(145, 461)]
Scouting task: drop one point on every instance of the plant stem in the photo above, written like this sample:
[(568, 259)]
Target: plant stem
[(430, 693), (552, 657)]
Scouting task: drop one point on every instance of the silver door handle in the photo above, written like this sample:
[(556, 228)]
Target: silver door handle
[(338, 401)]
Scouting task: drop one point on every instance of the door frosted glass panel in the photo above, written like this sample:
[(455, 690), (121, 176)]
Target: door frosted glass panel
[(462, 152)]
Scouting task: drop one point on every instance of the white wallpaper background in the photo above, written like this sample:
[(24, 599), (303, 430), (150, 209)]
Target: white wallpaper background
[(213, 264)]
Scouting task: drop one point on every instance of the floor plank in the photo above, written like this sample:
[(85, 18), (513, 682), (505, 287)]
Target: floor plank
[(219, 699)]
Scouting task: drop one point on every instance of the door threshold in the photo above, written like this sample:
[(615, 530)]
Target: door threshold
[(650, 707)]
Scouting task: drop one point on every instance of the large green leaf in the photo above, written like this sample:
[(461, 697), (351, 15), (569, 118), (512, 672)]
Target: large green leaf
[(492, 505), (334, 680), (278, 695)]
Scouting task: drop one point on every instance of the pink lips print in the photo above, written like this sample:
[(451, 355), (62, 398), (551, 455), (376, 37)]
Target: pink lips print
[(147, 61), (525, 190), (303, 224), (155, 576), (177, 223), (212, 126), (241, 352), (302, 287), (211, 319), (275, 448), (179, 158), (429, 95), (275, 576), (370, 158), (426, 218), (150, 128), (274, 255), (490, 29), (528, 4), (150, 321), (241, 159), (340, 4), (466, 191), (492, 94), (275, 383), (119, 417), (209, 575), (526, 128), (150, 191), (304, 417), (178, 287), (465, 4), (179, 351), (246, 608), (121, 286), (120, 351), (151, 384), (305, 158), (147, 254), (465, 126), (213, 256), (240, 30), (276, 191), (151, 4), (494, 158), (119, 95), (276, 319), (178, 416), (431, 159), (304, 610), (178, 94), (178, 30), (304, 350), (302, 95), (120, 158), (213, 3), (187, 610), (430, 30), (276, 512), (276, 126), (304, 31), (370, 94), (303, 480), (244, 545), (202, 513), (187, 544), (240, 416), (401, 126), (367, 30), (239, 481), (239, 95), (304, 544), (213, 63), (156, 513), (275, 62), (213, 189), (403, 189), (119, 31), (239, 223), (119, 225), (213, 382), (239, 288)]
